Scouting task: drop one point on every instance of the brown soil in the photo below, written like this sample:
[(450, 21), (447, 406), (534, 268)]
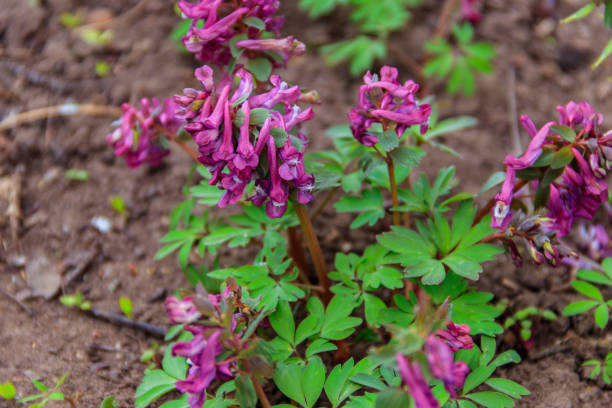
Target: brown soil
[(42, 63)]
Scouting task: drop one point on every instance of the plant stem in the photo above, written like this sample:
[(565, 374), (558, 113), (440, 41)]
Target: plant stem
[(444, 18), (491, 203), (315, 250), (296, 250), (68, 109), (265, 403), (394, 198)]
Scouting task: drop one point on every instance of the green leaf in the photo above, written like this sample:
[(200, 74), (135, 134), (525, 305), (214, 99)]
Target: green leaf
[(368, 380), (580, 13), (566, 132), (245, 392), (463, 267), (77, 175), (313, 380), (176, 366), (495, 179), (477, 377), (393, 398), (7, 390), (594, 276), (562, 157), (282, 322), (508, 356), (125, 304), (56, 396), (261, 68), (388, 140), (39, 386), (407, 156), (601, 316), (373, 306), (319, 346), (154, 384), (109, 402), (287, 378), (604, 54), (491, 399), (509, 387), (587, 290), (579, 307), (432, 270), (255, 22), (466, 404), (337, 324)]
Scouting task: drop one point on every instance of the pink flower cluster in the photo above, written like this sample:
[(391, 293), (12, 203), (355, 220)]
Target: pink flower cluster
[(208, 342), (469, 12), (225, 20), (139, 136), (384, 100), (242, 139), (580, 189), (439, 349)]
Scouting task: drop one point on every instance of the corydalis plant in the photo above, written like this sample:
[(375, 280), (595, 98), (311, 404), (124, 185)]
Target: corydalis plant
[(243, 140), (142, 134), (234, 28), (567, 163)]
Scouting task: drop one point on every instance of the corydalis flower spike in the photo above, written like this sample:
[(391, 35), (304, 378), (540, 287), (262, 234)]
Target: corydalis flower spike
[(417, 386), (443, 367), (533, 152)]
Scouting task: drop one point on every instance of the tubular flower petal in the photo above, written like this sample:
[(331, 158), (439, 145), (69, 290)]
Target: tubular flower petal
[(417, 386), (384, 100)]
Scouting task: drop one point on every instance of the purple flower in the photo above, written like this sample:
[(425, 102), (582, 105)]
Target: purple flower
[(280, 93), (534, 149), (443, 367), (181, 311), (232, 152), (211, 42), (287, 47), (469, 13), (202, 354), (457, 336), (417, 386), (276, 206), (501, 213), (384, 100), (579, 115), (139, 137)]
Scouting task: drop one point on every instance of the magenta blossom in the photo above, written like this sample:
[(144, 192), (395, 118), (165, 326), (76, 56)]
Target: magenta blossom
[(224, 20), (442, 365), (237, 134), (469, 12), (384, 100), (457, 336), (140, 135), (181, 311), (417, 386)]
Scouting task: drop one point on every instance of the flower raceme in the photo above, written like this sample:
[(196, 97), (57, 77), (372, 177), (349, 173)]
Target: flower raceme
[(580, 154), (229, 22), (246, 138), (140, 134), (382, 99), (208, 342), (439, 349)]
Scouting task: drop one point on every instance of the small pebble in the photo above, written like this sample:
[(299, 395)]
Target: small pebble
[(102, 224)]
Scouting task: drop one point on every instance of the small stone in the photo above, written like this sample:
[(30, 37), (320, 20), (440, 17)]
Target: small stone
[(102, 224), (114, 285), (42, 277)]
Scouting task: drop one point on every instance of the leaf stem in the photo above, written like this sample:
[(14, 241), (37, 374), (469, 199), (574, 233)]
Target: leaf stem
[(315, 250), (265, 403), (393, 184)]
